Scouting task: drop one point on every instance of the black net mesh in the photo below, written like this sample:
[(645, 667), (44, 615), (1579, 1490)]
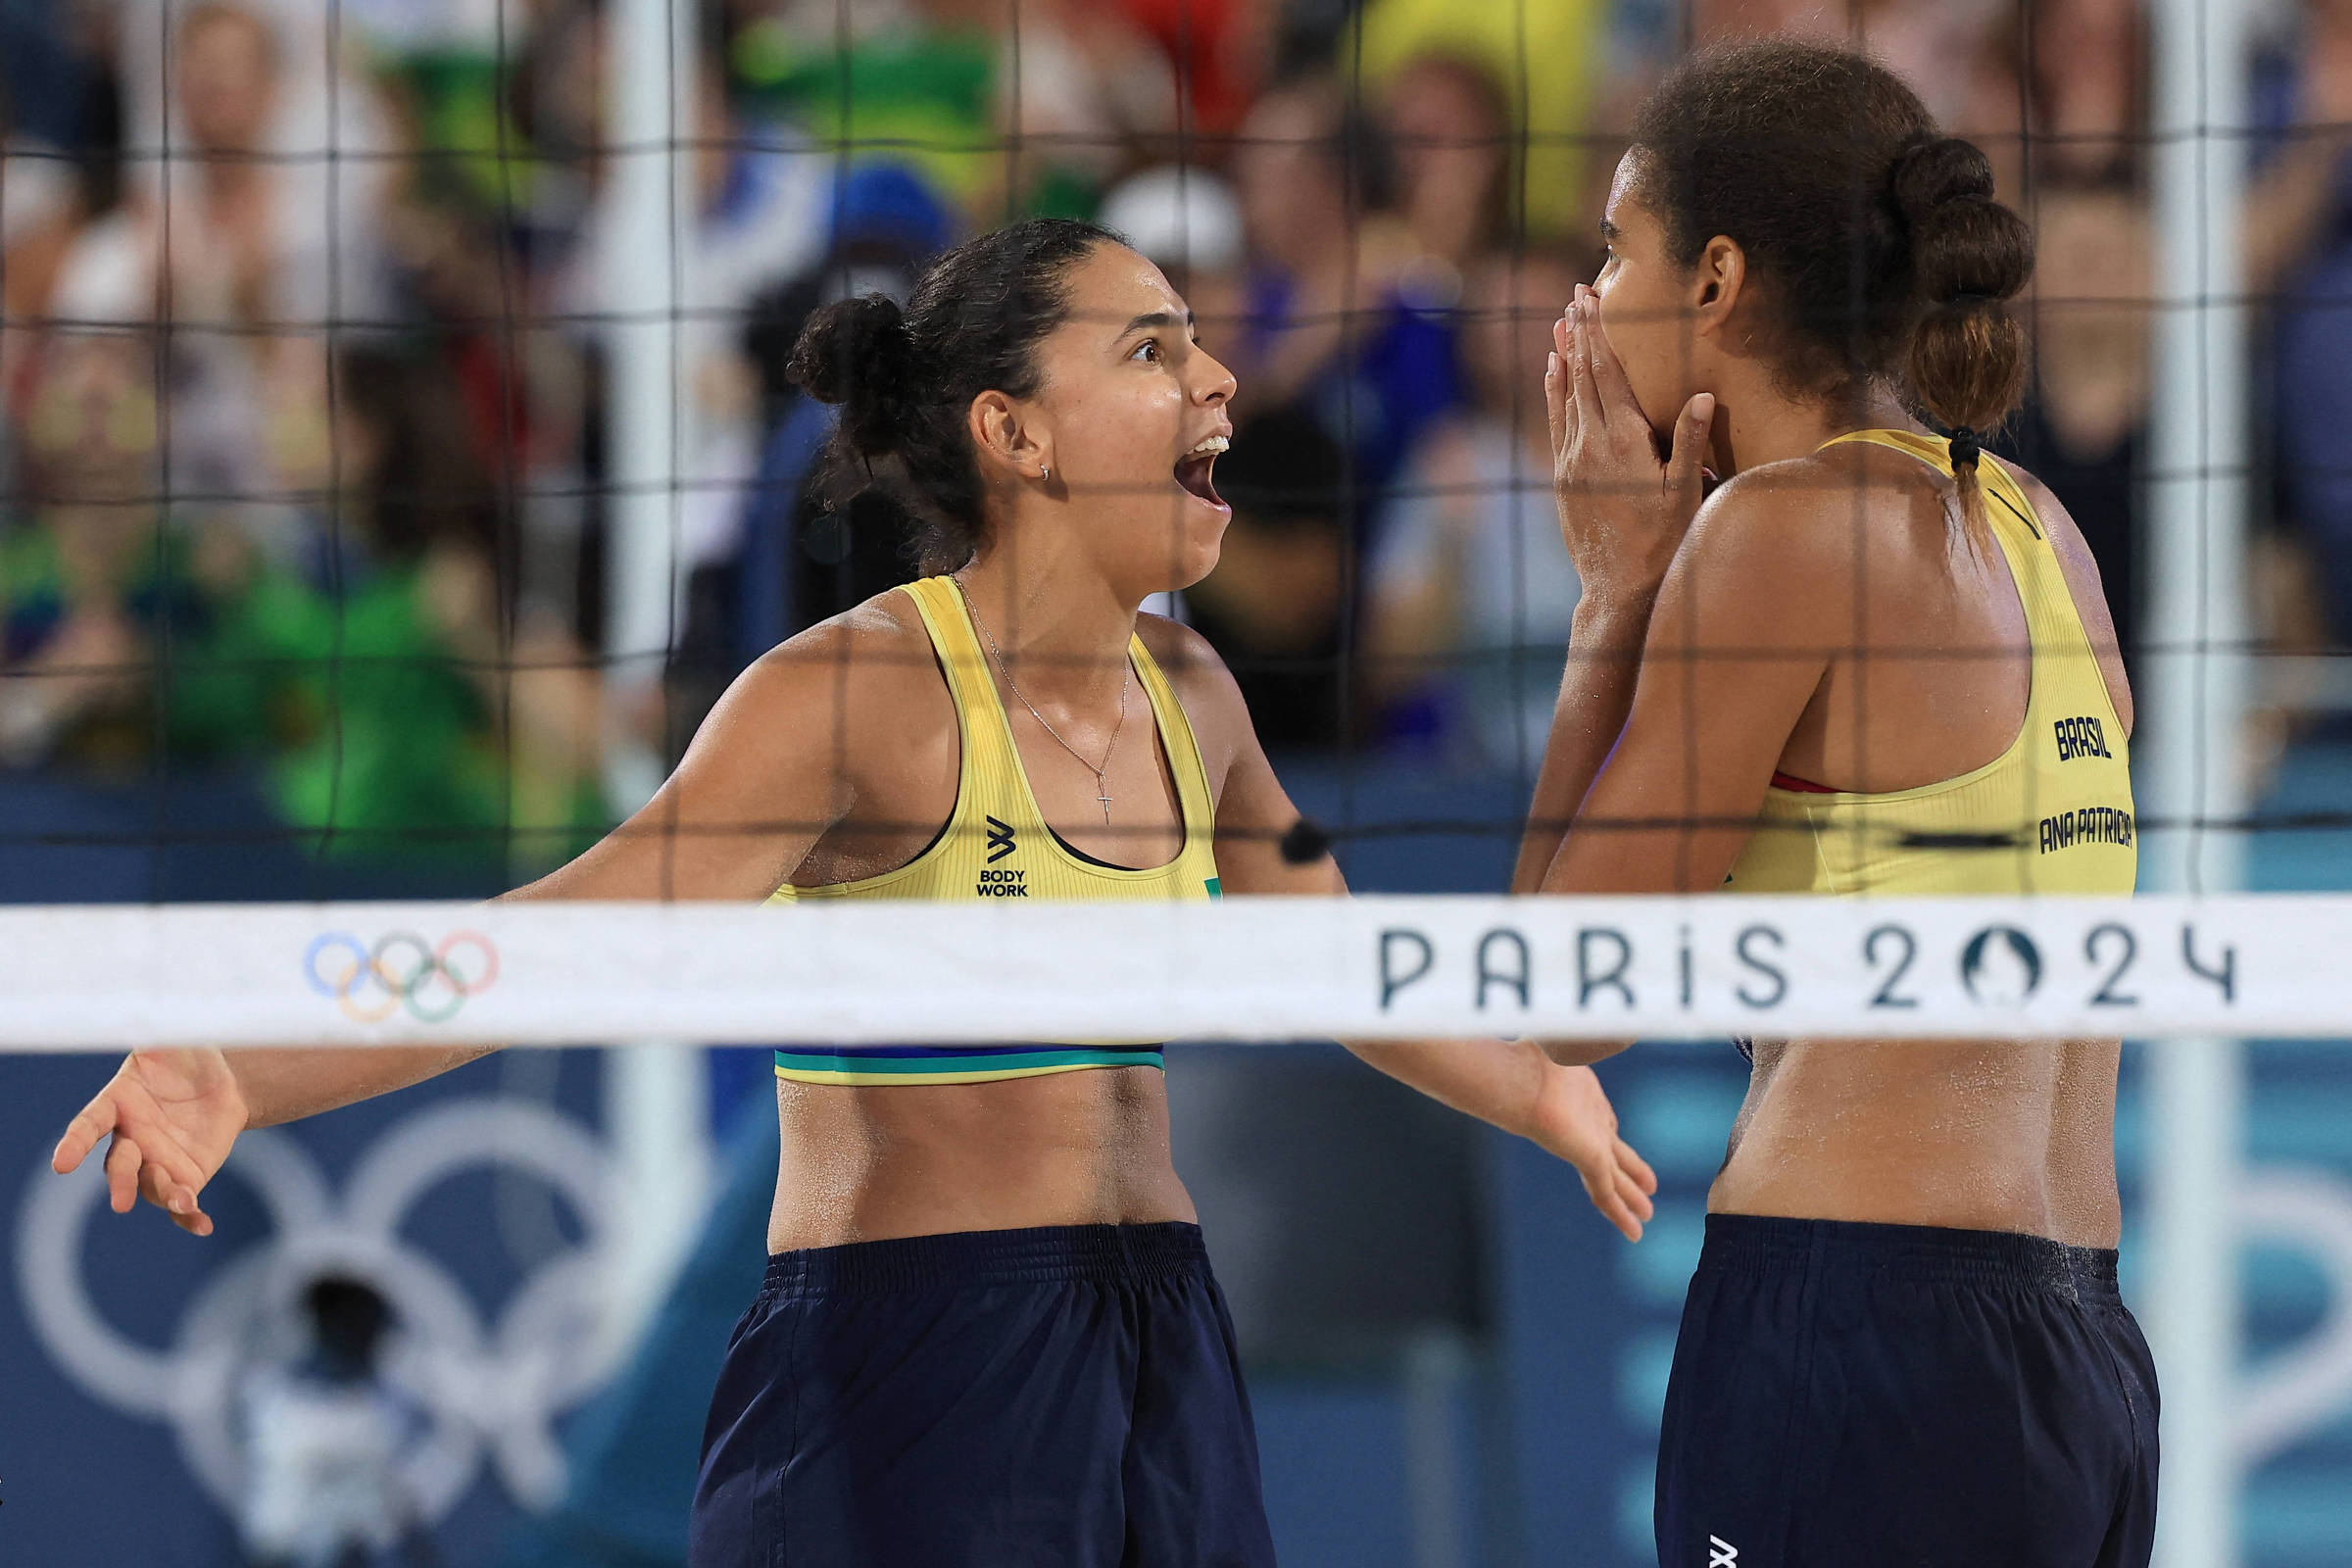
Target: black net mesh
[(400, 456)]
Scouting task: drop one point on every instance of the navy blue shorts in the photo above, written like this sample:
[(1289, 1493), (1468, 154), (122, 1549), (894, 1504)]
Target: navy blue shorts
[(1066, 1395), (1847, 1395)]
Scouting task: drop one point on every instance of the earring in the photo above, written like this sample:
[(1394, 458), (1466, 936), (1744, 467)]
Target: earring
[(1044, 473)]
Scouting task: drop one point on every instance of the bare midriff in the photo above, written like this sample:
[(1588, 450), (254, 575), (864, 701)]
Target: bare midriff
[(1972, 1135), (868, 1163)]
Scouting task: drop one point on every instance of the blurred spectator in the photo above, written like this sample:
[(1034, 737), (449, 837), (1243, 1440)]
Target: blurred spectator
[(1274, 604), (2065, 84), (917, 86), (1922, 40), (39, 211), (1187, 221), (1934, 44), (1006, 108), (760, 211), (787, 562), (2084, 429), (1449, 125), (503, 119), (242, 234), (476, 287), (1328, 322), (423, 566), (60, 133), (104, 602), (1471, 588), (2299, 252), (327, 1439), (420, 715), (1223, 49), (2059, 101), (1093, 92), (1550, 51)]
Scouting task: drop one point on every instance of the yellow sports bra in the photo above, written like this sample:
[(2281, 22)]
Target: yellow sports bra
[(996, 847), (2052, 814)]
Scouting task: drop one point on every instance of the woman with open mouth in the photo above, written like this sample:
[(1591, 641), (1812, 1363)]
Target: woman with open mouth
[(988, 1333)]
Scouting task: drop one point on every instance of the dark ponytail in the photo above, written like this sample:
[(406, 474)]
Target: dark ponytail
[(906, 379), (1876, 238), (1971, 254)]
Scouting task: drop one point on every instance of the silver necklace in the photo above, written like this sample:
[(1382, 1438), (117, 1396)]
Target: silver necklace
[(1126, 679)]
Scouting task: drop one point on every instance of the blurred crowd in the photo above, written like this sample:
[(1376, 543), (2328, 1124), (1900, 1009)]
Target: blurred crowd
[(304, 368)]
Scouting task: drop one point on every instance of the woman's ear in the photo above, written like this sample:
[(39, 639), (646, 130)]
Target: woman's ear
[(1007, 440), (1716, 284)]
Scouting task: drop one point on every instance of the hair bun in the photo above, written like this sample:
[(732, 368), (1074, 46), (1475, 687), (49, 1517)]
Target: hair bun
[(1968, 249), (858, 353), (1933, 172)]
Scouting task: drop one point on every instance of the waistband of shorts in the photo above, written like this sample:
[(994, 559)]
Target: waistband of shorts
[(1928, 1255), (1046, 1255)]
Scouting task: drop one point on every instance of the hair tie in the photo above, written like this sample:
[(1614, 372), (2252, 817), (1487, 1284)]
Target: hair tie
[(1963, 448)]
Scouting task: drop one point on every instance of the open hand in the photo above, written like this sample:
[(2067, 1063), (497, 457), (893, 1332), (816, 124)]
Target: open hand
[(172, 1115), (1623, 508), (1574, 1119)]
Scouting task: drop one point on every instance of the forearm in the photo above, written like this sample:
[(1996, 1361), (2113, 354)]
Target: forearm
[(281, 1084), (1597, 693), (1497, 1080)]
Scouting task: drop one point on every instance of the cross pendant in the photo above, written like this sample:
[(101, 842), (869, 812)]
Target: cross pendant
[(1103, 799)]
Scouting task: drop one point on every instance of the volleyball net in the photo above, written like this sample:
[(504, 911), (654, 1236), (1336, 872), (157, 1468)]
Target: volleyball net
[(91, 977), (398, 460), (402, 456)]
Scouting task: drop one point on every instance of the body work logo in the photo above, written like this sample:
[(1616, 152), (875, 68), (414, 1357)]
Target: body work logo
[(1008, 883), (400, 971)]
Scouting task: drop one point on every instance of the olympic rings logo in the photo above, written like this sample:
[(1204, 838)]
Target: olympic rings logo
[(401, 970)]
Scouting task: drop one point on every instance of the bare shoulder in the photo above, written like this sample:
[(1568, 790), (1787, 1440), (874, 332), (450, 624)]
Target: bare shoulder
[(1759, 539), (875, 649), (1779, 504), (1212, 702), (865, 677), (1193, 666)]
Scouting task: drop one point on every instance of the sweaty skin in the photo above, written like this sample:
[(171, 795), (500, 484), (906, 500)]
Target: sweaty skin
[(836, 756), (862, 1162), (1823, 613), (1983, 1135), (867, 1162), (1987, 1136)]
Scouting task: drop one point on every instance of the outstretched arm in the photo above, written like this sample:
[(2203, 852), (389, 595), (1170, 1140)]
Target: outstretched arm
[(739, 814), (1510, 1084)]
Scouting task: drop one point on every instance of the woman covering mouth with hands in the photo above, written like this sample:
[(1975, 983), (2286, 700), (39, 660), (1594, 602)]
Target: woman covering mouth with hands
[(988, 1331), (1855, 669)]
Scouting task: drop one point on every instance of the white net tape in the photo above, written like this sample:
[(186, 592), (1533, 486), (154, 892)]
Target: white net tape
[(91, 977)]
